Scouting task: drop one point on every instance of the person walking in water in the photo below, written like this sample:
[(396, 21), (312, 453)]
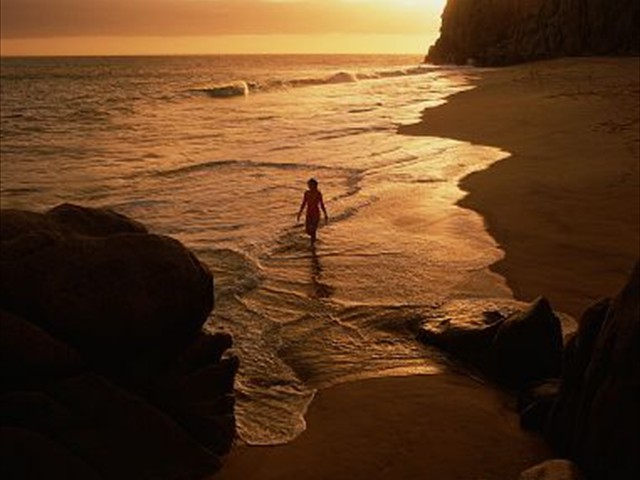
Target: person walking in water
[(313, 201)]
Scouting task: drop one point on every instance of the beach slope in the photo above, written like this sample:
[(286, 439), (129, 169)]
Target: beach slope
[(565, 205), (435, 426), (565, 208)]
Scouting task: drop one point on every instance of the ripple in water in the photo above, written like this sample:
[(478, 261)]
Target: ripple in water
[(226, 176)]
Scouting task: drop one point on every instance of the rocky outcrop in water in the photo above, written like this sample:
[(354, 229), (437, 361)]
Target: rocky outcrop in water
[(516, 350), (106, 372), (501, 32), (596, 416)]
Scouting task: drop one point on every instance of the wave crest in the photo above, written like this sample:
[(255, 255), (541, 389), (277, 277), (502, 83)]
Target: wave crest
[(234, 89), (243, 87)]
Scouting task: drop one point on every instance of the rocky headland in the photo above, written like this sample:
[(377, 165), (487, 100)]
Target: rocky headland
[(106, 371), (503, 32)]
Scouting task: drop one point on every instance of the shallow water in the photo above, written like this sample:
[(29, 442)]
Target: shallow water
[(148, 138)]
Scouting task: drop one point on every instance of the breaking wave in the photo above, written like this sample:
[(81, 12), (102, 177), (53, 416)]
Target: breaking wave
[(235, 89), (243, 88)]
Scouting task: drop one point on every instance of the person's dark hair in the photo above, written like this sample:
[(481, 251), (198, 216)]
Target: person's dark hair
[(312, 181)]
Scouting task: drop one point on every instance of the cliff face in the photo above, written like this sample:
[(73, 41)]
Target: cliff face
[(501, 32)]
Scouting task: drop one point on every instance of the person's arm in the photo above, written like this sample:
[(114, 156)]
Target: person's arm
[(324, 210), (304, 203)]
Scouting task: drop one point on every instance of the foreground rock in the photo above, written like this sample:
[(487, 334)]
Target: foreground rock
[(111, 432), (515, 351), (588, 409), (118, 296), (105, 370), (500, 32), (596, 417)]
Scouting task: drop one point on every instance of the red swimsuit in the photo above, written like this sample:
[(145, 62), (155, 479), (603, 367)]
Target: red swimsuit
[(313, 200)]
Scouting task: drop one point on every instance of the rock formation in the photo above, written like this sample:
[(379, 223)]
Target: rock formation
[(515, 351), (589, 411), (596, 416), (106, 372), (501, 32)]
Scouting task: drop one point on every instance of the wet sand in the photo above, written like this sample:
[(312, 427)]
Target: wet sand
[(441, 427), (565, 209), (565, 206)]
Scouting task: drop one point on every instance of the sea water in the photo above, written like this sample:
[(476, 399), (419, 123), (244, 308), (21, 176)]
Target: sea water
[(216, 151)]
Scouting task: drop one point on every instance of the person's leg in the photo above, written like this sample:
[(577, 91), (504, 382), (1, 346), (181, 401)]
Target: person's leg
[(312, 227)]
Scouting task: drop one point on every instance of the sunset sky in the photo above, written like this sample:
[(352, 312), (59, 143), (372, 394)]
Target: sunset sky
[(99, 27)]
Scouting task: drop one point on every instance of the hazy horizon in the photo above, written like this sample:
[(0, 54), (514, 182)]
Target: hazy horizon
[(183, 27), (229, 54)]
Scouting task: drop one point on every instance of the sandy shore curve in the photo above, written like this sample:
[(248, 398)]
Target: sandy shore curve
[(565, 207)]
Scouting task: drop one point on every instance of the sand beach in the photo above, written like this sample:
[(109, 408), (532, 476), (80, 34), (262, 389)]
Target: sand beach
[(564, 206)]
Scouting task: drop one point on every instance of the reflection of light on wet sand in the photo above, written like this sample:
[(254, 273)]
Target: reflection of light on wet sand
[(345, 310), (429, 248), (319, 289)]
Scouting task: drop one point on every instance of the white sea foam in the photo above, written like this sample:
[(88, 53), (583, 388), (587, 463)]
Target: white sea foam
[(235, 89), (244, 87), (342, 77)]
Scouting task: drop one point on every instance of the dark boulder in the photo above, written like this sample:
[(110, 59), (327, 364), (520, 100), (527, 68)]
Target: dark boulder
[(522, 348), (117, 298), (200, 397), (528, 346), (94, 222), (469, 343), (114, 432), (106, 371), (205, 349), (535, 403), (20, 225), (25, 454), (65, 220), (595, 420), (30, 357)]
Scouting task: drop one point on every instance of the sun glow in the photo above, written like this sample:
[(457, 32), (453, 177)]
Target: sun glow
[(421, 4), (220, 26)]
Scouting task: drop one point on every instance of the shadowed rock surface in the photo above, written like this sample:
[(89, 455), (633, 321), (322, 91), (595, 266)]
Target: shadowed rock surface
[(590, 414), (501, 32), (118, 297), (30, 356), (595, 419), (515, 351), (106, 372)]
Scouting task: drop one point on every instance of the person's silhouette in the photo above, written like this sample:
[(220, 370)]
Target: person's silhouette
[(313, 201)]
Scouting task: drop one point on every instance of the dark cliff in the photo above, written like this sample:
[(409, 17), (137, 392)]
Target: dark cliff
[(502, 32)]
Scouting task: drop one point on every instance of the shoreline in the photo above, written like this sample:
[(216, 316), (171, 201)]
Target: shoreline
[(441, 426), (566, 202), (558, 210)]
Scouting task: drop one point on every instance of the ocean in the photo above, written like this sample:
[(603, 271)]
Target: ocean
[(216, 151)]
